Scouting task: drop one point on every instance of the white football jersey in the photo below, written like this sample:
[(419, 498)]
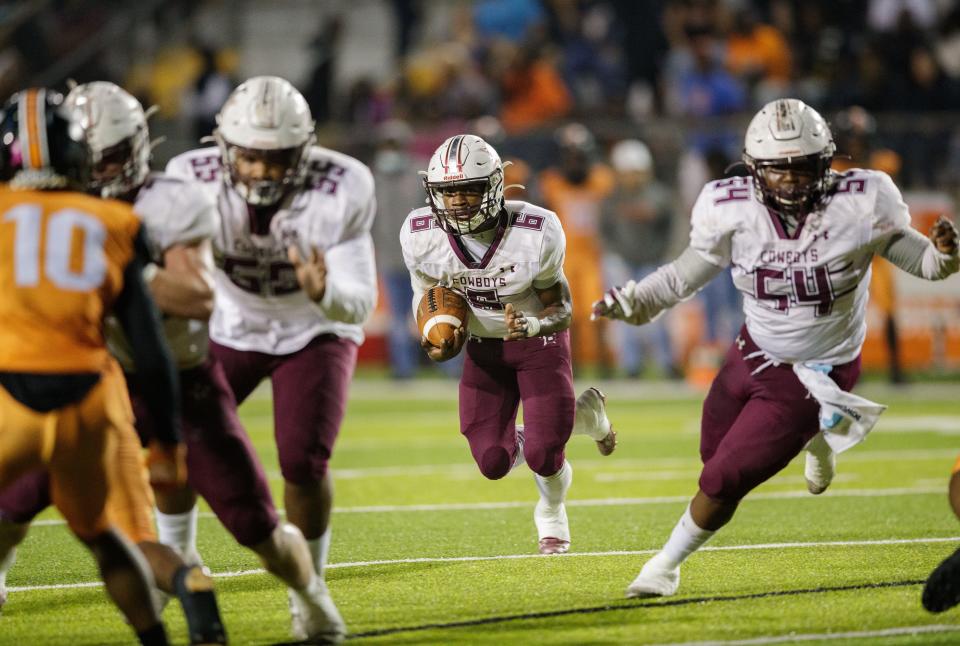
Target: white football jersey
[(805, 295), (173, 211), (525, 253), (259, 303)]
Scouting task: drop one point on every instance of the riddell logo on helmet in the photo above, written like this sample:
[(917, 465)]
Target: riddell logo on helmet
[(448, 178)]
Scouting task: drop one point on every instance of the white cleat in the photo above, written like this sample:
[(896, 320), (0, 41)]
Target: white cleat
[(591, 418), (552, 528), (820, 465), (315, 617), (654, 580)]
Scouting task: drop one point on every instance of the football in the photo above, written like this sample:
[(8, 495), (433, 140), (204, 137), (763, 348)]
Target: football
[(440, 312)]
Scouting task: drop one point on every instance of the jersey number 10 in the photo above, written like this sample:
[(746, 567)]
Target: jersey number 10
[(58, 267)]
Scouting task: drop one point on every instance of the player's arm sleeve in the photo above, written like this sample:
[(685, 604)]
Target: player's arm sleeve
[(902, 245), (552, 253), (914, 253), (140, 320), (351, 290), (669, 285)]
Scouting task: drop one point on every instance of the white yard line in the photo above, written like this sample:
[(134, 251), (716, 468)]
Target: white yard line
[(509, 557), (614, 464), (809, 637), (601, 502)]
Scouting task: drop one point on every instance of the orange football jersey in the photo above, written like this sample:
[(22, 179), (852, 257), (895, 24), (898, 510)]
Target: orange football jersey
[(62, 258)]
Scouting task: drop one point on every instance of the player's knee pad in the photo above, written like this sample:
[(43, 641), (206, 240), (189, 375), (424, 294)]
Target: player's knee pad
[(544, 460), (722, 480), (495, 463)]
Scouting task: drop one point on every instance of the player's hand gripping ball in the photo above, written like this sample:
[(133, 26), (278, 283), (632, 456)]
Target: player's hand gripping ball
[(442, 319)]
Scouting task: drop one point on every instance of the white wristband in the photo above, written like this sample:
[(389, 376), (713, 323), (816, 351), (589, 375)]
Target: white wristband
[(533, 326), (150, 272)]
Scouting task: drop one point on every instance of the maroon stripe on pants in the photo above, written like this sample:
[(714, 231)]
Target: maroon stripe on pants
[(754, 425), (497, 376), (221, 462), (309, 398)]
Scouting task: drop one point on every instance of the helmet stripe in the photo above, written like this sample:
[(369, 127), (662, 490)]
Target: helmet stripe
[(32, 119), (453, 153)]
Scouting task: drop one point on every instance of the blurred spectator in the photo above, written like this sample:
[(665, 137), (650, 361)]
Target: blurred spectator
[(592, 55), (759, 55), (512, 20), (701, 86), (204, 100), (398, 192), (635, 226), (323, 48), (756, 50), (575, 189), (517, 176), (855, 132), (533, 92)]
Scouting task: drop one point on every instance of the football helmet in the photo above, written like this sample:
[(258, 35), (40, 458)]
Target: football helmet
[(115, 128), (265, 119), (468, 164), (631, 155), (788, 149), (41, 146)]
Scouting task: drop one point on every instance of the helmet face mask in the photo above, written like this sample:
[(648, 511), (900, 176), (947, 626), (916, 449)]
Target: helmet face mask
[(264, 131), (464, 185), (114, 126), (262, 177), (788, 149)]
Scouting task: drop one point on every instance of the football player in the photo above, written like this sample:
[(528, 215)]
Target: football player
[(295, 280), (68, 259), (800, 239), (506, 259), (180, 219), (942, 590)]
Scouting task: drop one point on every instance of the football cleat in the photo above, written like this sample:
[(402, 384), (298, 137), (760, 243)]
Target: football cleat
[(552, 528), (591, 419), (655, 580), (942, 590), (820, 465), (314, 616)]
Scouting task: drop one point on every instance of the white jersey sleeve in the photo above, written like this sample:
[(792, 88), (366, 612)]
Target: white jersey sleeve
[(351, 292), (890, 212), (552, 254), (711, 230), (175, 211)]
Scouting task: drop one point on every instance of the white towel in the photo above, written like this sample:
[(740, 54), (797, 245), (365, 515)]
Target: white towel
[(845, 418)]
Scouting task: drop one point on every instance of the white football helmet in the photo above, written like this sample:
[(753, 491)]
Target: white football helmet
[(114, 126), (789, 137), (265, 117), (631, 155), (465, 162)]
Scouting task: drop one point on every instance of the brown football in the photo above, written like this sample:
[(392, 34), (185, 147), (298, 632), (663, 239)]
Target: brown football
[(440, 312)]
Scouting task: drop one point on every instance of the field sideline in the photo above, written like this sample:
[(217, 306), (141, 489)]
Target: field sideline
[(427, 551)]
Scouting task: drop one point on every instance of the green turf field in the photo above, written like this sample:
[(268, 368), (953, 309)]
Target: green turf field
[(427, 551)]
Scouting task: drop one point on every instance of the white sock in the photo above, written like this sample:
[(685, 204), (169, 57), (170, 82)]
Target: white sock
[(685, 539), (518, 459), (6, 564), (553, 489), (319, 551), (179, 531)]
